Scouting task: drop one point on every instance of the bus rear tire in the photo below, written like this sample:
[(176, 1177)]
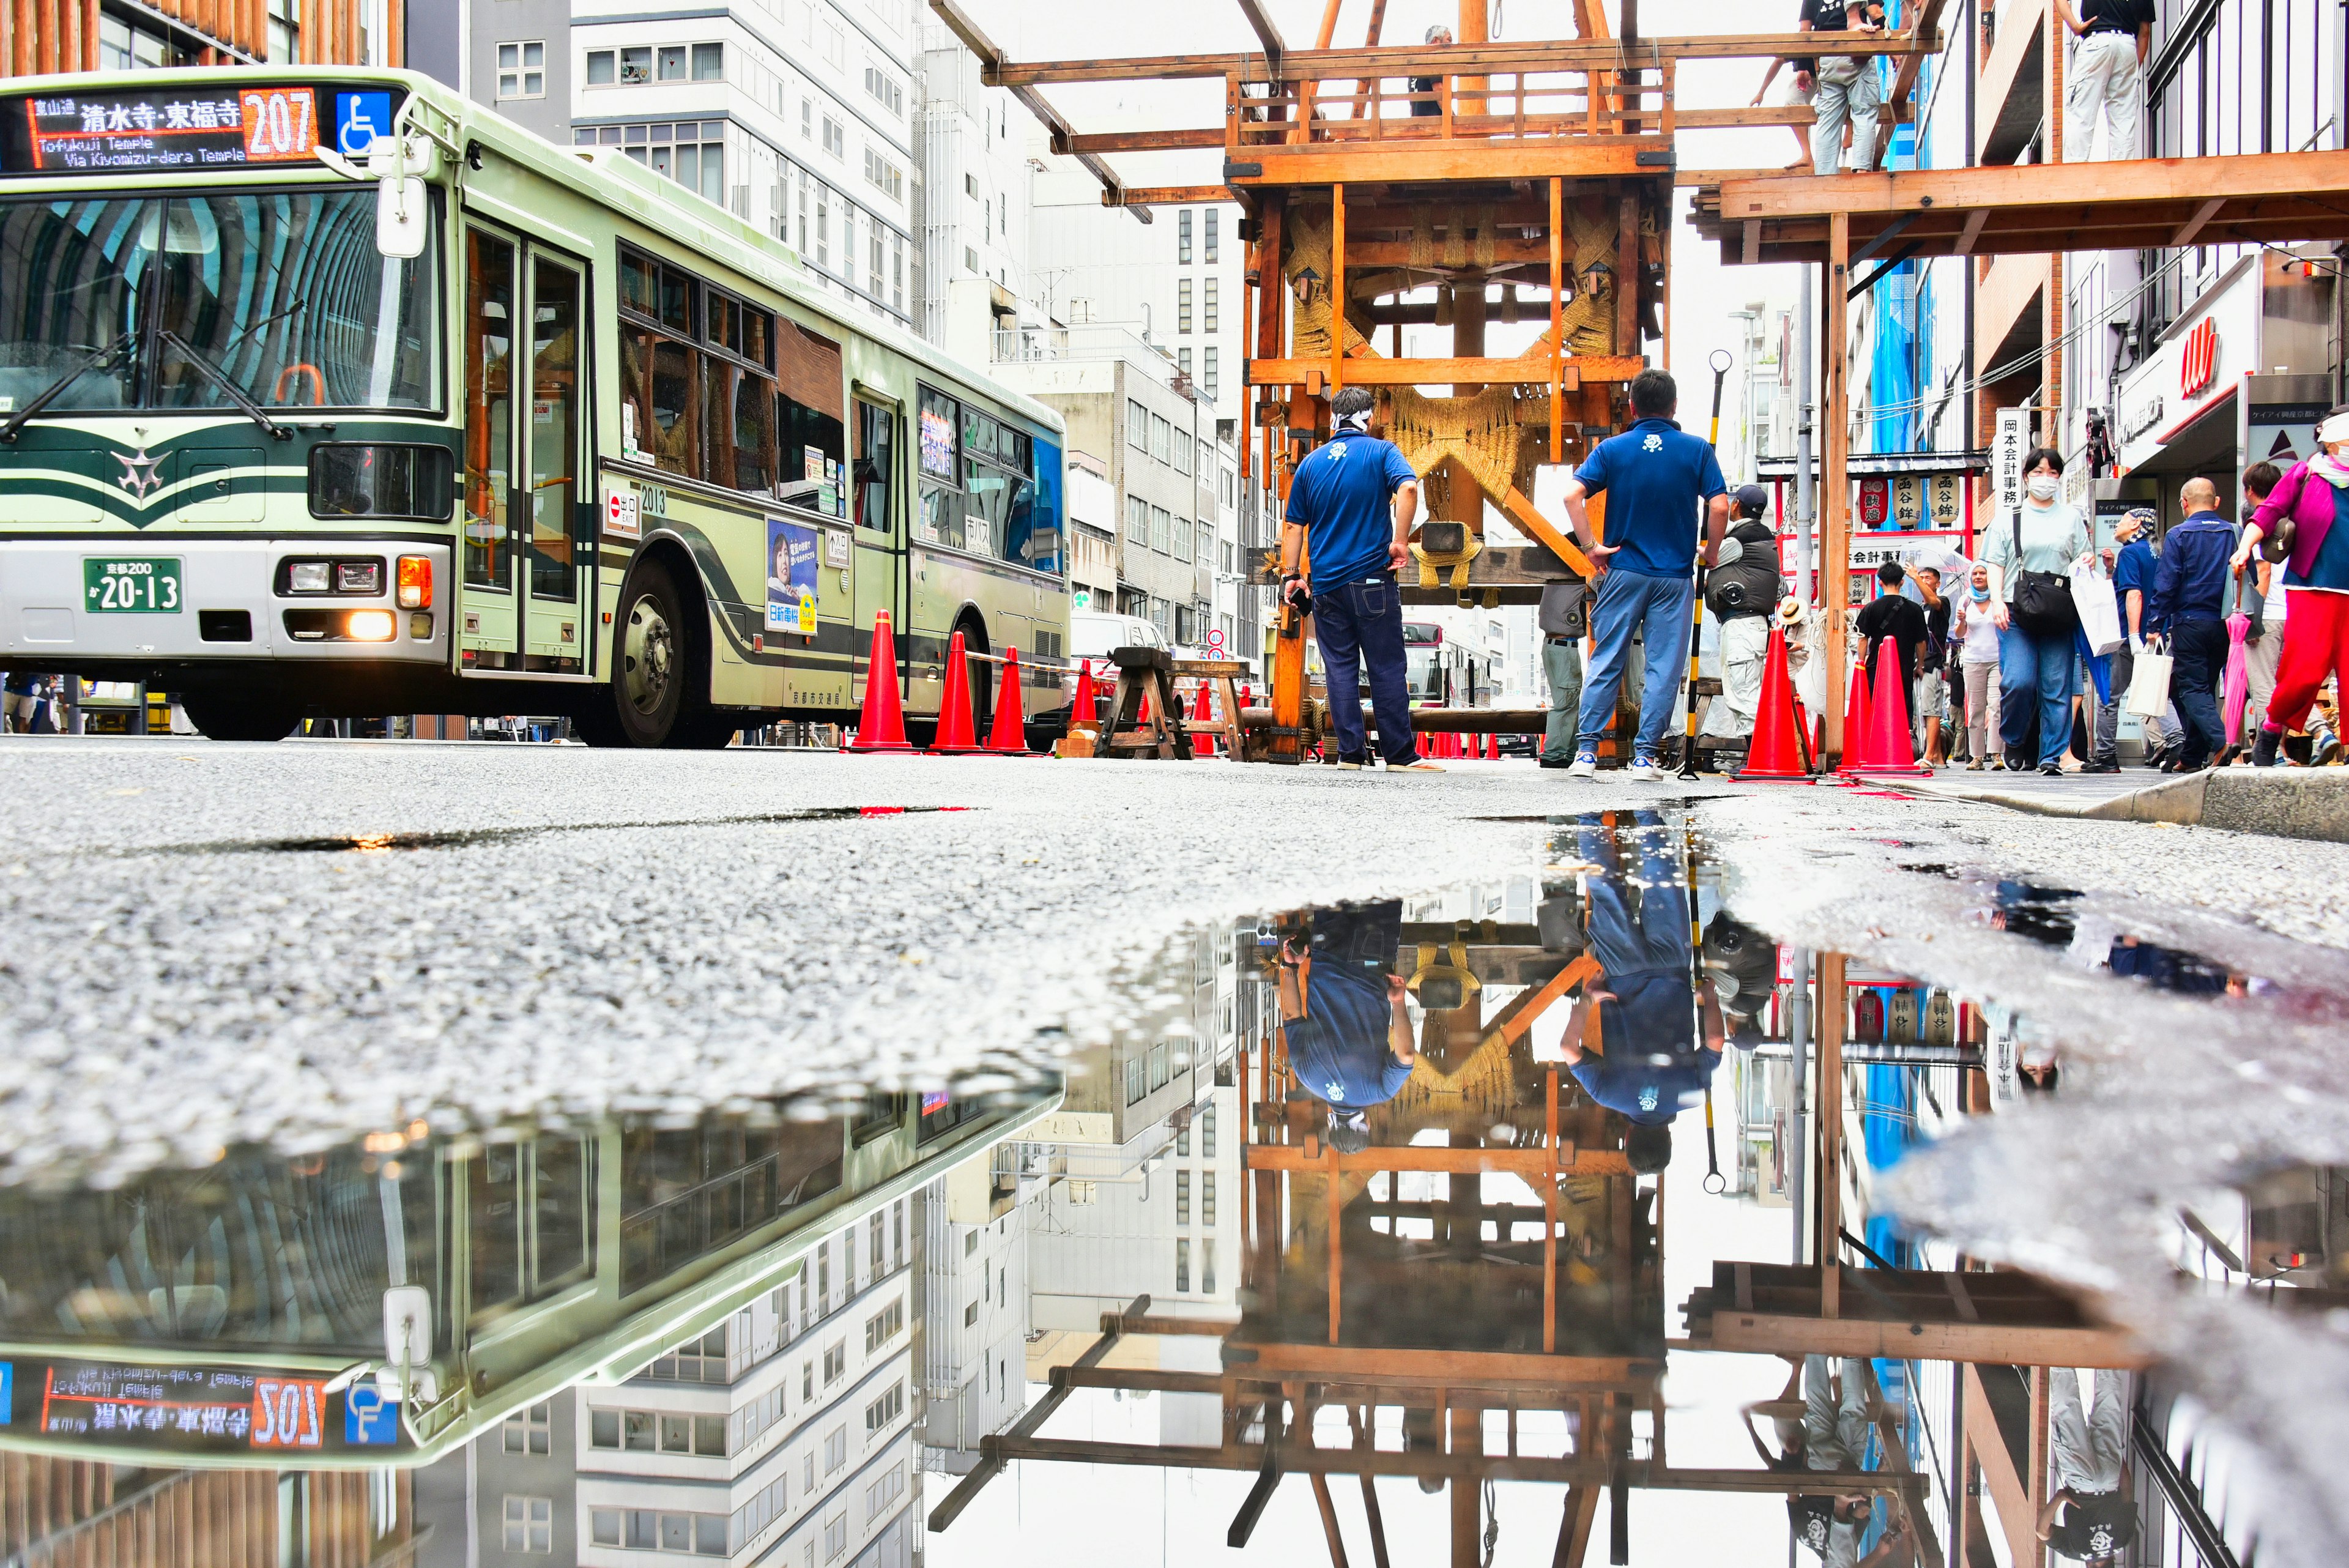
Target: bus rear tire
[(661, 676), (219, 716)]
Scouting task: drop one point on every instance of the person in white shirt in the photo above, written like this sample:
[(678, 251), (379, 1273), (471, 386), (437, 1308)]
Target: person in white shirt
[(2039, 665), (1976, 633)]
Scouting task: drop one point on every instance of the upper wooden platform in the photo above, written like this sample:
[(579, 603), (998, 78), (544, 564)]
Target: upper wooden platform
[(2272, 198)]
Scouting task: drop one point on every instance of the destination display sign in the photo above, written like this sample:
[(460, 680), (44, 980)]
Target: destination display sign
[(194, 1410), (187, 127)]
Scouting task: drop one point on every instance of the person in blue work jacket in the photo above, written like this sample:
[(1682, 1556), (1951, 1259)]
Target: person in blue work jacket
[(1344, 1018), (1657, 1042), (2189, 596), (1353, 501), (1656, 478)]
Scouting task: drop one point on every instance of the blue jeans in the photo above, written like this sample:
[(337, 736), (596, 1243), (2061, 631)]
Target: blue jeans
[(1360, 623), (2043, 672), (2198, 645), (1627, 601)]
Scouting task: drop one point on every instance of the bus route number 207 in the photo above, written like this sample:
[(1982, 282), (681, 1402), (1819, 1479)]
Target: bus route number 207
[(137, 585)]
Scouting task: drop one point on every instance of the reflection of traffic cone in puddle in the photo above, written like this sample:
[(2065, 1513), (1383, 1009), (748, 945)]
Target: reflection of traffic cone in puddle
[(881, 725), (958, 732), (1008, 737), (1775, 750), (1855, 722), (1894, 744)]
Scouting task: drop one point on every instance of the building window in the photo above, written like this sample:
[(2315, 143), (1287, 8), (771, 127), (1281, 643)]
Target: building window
[(1161, 440), (1182, 444), (1182, 536), (1183, 360), (897, 302), (1208, 249), (1137, 426), (883, 1410), (1134, 1085), (835, 139), (1182, 1198), (1211, 375), (1183, 306), (835, 1450), (807, 119), (709, 62), (1183, 1141), (834, 51), (836, 1363), (1159, 617), (1208, 1262), (884, 175), (1207, 1113), (521, 70), (1161, 539), (835, 1536), (888, 1489), (1208, 305), (701, 1360), (648, 1431), (1182, 1262), (529, 1523), (526, 1430), (883, 1326), (970, 1315), (1206, 1197), (1183, 238), (885, 89), (876, 1238), (690, 152), (970, 186)]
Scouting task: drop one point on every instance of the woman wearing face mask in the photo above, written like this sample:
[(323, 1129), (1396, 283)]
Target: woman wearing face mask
[(1975, 630), (2312, 501), (2039, 669)]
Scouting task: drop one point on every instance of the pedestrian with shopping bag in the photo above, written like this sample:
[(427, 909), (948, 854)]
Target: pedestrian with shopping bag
[(2030, 554), (2307, 517)]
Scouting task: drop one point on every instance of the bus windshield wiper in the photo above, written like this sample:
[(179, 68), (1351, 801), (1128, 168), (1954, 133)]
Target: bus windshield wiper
[(220, 379), (88, 362)]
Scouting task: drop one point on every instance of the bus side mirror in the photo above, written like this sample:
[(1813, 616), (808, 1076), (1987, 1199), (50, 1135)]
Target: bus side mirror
[(402, 211)]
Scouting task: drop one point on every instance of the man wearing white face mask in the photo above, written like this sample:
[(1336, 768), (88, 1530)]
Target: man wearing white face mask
[(2029, 553), (2307, 514)]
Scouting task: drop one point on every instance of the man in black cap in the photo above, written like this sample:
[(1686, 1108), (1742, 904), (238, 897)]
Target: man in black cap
[(1342, 1013), (1741, 592)]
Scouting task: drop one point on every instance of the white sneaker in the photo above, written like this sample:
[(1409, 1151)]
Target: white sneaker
[(1645, 769), (1586, 766)]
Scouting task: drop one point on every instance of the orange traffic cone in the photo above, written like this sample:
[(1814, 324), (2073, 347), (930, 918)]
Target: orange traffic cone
[(1775, 750), (957, 732), (1204, 744), (880, 724), (1008, 737), (1087, 709), (1894, 744), (1855, 723)]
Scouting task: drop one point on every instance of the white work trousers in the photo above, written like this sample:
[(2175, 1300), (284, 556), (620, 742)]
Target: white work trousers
[(2088, 1453), (1744, 648), (2103, 83), (1846, 91)]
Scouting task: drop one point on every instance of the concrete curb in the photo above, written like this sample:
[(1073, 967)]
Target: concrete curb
[(2287, 803)]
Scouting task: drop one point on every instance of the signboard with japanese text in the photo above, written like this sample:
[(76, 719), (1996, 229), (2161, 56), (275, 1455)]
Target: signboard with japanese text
[(1872, 503), (2008, 444), (1907, 500), (1910, 547), (186, 128), (1946, 498), (193, 1411)]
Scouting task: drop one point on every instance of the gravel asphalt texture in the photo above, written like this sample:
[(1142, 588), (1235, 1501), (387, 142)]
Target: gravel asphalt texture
[(204, 944)]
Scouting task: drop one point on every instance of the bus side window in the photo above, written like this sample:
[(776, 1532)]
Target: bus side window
[(876, 465)]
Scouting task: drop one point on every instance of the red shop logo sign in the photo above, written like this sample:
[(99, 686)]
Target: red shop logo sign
[(2198, 359)]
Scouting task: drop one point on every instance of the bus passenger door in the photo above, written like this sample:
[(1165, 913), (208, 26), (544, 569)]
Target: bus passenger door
[(554, 634), (878, 504), (487, 626)]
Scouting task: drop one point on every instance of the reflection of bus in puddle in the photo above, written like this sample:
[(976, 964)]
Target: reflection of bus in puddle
[(247, 1315)]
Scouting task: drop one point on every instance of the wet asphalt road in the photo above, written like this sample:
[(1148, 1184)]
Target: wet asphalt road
[(205, 943)]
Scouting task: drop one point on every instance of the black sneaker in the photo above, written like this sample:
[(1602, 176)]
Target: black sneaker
[(2104, 765), (2051, 769), (2016, 762), (2264, 750)]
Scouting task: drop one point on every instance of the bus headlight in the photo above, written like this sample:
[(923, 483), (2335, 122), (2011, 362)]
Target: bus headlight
[(310, 577), (358, 576), (371, 625), (415, 582)]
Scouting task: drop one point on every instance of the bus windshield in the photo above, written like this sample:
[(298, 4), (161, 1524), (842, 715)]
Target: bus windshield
[(282, 293)]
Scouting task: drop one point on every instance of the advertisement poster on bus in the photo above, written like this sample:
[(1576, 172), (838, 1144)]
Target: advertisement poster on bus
[(791, 577)]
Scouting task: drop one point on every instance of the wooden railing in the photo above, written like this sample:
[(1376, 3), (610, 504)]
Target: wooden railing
[(1620, 100)]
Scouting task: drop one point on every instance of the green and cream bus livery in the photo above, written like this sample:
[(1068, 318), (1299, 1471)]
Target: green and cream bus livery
[(329, 393)]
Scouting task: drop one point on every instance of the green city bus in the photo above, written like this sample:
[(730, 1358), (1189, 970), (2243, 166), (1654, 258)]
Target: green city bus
[(273, 436)]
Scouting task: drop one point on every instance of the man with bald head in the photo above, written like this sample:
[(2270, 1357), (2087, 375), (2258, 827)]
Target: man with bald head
[(2189, 596)]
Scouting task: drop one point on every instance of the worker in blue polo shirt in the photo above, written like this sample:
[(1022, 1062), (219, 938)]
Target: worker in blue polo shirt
[(1354, 500), (1655, 477), (1344, 1018), (1659, 1040)]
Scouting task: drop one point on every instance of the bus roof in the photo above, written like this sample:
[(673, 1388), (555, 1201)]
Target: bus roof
[(605, 175)]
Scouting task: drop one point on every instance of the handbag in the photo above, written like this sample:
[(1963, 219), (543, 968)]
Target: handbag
[(2148, 692), (2042, 601), (2275, 543), (2099, 612)]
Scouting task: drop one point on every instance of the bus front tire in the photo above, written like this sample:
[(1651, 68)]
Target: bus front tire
[(660, 678), (221, 716)]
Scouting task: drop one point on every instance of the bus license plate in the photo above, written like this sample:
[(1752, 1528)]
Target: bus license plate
[(135, 585)]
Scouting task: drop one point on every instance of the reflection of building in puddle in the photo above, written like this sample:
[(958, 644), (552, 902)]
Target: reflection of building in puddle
[(695, 1337)]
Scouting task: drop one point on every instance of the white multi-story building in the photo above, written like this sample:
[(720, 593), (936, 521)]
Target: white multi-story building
[(973, 212), (971, 1288)]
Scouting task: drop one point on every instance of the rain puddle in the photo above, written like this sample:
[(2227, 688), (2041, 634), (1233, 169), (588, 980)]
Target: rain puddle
[(383, 843), (1475, 1226)]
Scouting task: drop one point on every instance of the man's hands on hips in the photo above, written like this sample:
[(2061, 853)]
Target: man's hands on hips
[(1398, 555)]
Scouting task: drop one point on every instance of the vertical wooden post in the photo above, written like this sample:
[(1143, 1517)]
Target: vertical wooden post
[(1467, 1490), (1557, 321), (1834, 494), (1626, 277), (2034, 1484), (1472, 29), (1829, 1101), (1334, 1200), (1337, 287)]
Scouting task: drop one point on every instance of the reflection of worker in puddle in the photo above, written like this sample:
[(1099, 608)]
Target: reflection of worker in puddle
[(1650, 1064), (1833, 1436), (1342, 1006), (2092, 1516)]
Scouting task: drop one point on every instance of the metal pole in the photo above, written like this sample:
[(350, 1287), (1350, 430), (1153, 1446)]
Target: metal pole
[(1798, 1035), (1805, 516)]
